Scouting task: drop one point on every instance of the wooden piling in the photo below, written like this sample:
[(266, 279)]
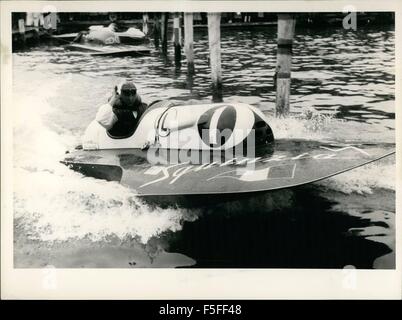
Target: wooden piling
[(214, 37), (157, 30), (21, 29), (164, 27), (286, 30), (189, 40), (176, 38), (145, 21)]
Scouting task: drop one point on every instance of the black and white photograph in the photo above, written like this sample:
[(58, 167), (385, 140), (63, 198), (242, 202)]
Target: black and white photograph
[(191, 139)]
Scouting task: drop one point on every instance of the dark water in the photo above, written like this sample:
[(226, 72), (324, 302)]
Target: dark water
[(342, 88), (302, 230)]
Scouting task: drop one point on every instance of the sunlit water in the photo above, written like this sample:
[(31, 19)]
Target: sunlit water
[(342, 88)]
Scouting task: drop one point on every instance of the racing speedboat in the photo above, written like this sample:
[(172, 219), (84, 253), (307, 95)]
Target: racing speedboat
[(107, 41), (110, 36), (211, 149)]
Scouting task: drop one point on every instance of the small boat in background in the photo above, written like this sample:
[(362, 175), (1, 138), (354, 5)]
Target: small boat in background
[(104, 36), (110, 35), (107, 41)]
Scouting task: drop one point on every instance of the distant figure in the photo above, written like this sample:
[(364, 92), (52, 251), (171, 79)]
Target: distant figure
[(50, 21), (35, 19), (115, 25), (121, 114), (99, 35), (80, 36)]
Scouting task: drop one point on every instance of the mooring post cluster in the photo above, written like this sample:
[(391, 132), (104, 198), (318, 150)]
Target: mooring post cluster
[(286, 31)]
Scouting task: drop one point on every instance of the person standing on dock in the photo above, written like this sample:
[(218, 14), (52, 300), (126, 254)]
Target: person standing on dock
[(50, 21)]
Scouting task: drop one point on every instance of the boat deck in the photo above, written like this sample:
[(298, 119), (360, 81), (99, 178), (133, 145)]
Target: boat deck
[(122, 50)]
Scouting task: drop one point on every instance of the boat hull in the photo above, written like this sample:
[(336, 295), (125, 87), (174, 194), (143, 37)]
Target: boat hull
[(286, 164)]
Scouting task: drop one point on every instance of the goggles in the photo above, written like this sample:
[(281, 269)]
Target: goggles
[(129, 92)]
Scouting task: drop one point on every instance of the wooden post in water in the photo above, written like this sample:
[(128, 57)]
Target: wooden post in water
[(145, 20), (21, 29), (286, 30), (214, 37), (164, 27), (176, 38), (188, 40), (157, 30)]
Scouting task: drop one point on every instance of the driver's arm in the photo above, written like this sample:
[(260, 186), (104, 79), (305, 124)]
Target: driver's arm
[(106, 117)]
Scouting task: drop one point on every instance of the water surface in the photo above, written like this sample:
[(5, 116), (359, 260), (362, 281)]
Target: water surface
[(343, 88)]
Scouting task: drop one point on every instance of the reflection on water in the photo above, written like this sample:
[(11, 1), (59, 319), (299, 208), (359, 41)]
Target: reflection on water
[(302, 230), (73, 221)]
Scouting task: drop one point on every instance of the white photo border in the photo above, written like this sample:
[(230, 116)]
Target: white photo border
[(185, 283)]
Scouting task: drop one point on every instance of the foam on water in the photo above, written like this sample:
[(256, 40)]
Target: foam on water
[(52, 207), (362, 180), (310, 124), (53, 203), (313, 125)]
